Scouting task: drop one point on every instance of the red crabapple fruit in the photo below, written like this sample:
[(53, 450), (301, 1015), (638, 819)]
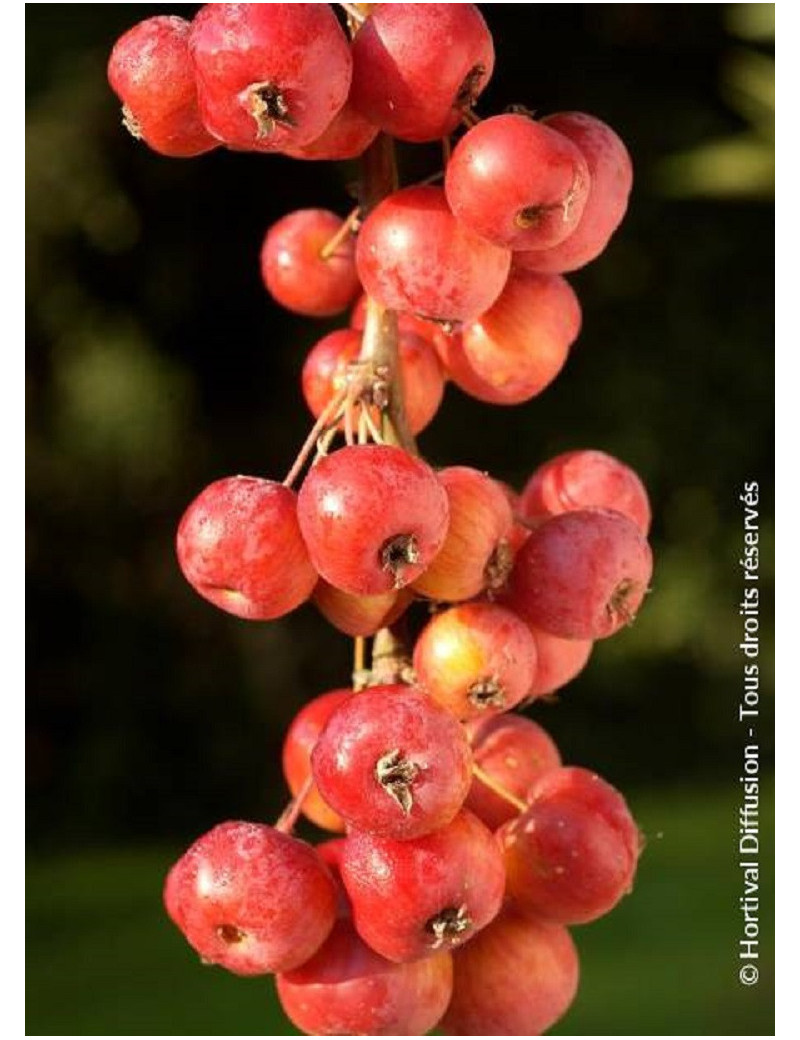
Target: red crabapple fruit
[(413, 255), (359, 615), (393, 763), (514, 752), (347, 989), (475, 659), (412, 898), (326, 368), (373, 518), (269, 76), (518, 347), (516, 978), (239, 546), (301, 738), (585, 480), (558, 661), (476, 554), (572, 854), (151, 73), (347, 137), (581, 575), (517, 182), (299, 273), (251, 899), (418, 67), (611, 180)]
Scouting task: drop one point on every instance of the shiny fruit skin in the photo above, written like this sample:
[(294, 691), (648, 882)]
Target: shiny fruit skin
[(239, 546), (413, 255), (347, 989), (475, 659), (611, 175), (359, 615), (517, 978), (373, 517), (347, 137), (399, 888), (475, 554), (251, 899), (585, 479), (517, 348), (558, 661), (393, 728), (411, 62), (269, 76), (571, 856), (296, 273), (515, 751), (517, 182), (581, 575), (300, 740), (151, 73)]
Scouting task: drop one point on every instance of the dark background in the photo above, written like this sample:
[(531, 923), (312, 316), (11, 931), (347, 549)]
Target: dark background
[(157, 363)]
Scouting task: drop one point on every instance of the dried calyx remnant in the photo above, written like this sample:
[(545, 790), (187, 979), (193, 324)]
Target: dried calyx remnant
[(396, 775), (397, 554), (448, 924), (268, 107)]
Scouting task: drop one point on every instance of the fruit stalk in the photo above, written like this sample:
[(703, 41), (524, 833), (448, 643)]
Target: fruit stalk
[(379, 342)]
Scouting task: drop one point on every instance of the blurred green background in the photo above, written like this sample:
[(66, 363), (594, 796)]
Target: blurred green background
[(156, 363)]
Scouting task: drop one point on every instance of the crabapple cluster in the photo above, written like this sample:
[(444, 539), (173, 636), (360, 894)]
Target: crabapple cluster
[(467, 848)]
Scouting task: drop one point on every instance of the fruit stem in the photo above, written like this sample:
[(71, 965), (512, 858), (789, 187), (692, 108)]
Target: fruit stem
[(288, 818), (379, 341), (390, 661), (499, 790), (327, 415), (349, 227), (361, 674)]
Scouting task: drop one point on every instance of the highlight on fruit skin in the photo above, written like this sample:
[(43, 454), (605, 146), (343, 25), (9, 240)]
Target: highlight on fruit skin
[(251, 899)]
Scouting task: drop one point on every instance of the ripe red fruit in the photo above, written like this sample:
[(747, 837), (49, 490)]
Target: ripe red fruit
[(251, 899), (519, 346), (413, 255), (392, 762), (412, 898), (571, 856), (517, 182), (417, 67), (298, 272), (476, 659), (476, 554), (517, 978), (347, 137), (151, 73), (558, 661), (347, 989), (359, 615), (514, 751), (325, 372), (611, 180), (269, 76), (239, 546), (581, 575), (300, 741), (432, 332), (584, 480), (373, 517)]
